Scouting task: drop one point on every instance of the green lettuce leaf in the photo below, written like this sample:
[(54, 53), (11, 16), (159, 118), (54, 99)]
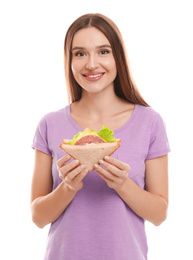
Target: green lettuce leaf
[(75, 137), (106, 134)]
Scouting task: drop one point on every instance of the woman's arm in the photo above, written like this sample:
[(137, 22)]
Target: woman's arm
[(48, 205), (150, 204)]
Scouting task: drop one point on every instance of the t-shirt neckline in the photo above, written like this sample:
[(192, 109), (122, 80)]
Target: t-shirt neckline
[(116, 131)]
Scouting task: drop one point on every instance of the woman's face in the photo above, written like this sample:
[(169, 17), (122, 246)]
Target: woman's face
[(93, 65)]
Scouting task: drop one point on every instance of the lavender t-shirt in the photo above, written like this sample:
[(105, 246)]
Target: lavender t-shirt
[(98, 224)]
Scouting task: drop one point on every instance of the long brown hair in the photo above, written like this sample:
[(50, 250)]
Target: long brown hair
[(124, 85)]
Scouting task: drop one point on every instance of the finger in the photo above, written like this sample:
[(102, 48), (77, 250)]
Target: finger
[(77, 183), (80, 176), (67, 168), (110, 182), (61, 162), (102, 176), (70, 176), (111, 168), (119, 164), (65, 141), (106, 175)]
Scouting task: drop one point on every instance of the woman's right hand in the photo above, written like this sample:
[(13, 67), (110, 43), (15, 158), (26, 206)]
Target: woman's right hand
[(71, 173)]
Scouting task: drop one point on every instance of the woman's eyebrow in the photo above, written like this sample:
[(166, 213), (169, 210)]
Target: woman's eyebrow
[(77, 48), (104, 46), (97, 47)]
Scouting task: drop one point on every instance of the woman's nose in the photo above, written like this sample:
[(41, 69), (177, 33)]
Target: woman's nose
[(92, 62)]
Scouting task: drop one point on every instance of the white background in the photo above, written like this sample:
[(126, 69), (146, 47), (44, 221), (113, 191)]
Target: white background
[(158, 36)]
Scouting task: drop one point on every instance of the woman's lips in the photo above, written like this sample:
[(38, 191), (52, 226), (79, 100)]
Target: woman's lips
[(94, 76)]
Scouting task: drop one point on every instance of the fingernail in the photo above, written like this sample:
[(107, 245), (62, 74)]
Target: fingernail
[(101, 161), (68, 156), (76, 161), (96, 165), (82, 166), (107, 158)]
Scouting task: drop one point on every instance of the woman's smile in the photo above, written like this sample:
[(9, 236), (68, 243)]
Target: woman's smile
[(93, 76)]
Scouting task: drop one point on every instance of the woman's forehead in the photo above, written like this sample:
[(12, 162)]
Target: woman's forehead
[(89, 36)]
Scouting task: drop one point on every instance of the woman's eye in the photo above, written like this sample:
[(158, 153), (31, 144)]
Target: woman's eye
[(79, 54), (103, 52)]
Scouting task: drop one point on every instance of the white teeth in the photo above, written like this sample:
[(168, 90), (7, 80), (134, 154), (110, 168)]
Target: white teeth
[(94, 76)]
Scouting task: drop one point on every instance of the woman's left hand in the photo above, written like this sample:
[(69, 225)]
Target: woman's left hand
[(113, 171)]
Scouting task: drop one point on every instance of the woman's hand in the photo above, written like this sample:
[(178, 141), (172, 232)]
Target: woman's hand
[(150, 204), (71, 173), (113, 171)]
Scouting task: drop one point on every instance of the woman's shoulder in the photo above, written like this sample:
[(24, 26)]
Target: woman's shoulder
[(147, 112), (148, 117), (55, 115)]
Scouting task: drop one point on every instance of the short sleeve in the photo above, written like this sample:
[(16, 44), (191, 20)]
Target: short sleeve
[(159, 144), (40, 140)]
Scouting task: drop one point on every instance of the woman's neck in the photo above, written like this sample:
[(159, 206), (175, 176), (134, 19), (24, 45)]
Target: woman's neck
[(100, 104), (96, 110)]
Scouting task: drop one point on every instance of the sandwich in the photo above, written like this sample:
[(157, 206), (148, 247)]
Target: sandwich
[(89, 146)]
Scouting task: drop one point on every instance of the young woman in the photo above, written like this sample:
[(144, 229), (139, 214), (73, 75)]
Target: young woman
[(100, 214)]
